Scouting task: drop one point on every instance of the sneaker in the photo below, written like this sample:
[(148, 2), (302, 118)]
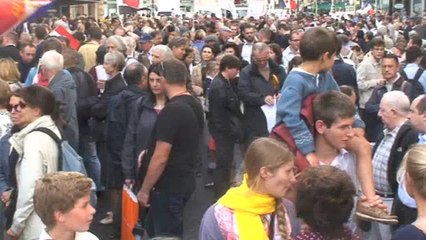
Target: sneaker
[(108, 219), (375, 214)]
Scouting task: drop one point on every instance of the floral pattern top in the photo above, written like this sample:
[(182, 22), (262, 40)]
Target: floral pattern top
[(5, 123)]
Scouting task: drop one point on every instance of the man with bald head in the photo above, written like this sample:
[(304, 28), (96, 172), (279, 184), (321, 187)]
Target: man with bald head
[(388, 152)]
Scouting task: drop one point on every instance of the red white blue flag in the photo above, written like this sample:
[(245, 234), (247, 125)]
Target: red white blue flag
[(14, 12)]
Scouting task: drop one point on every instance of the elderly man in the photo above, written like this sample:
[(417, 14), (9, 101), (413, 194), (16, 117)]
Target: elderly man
[(388, 152), (393, 81), (259, 84), (65, 90), (160, 53), (404, 204)]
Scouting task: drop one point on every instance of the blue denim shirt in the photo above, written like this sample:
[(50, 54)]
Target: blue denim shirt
[(4, 162)]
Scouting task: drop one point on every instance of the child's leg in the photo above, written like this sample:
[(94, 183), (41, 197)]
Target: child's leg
[(362, 150)]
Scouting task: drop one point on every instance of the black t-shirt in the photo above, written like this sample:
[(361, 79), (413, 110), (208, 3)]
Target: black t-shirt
[(410, 232), (180, 124)]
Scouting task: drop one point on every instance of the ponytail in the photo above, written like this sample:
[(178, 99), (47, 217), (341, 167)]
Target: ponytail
[(281, 219)]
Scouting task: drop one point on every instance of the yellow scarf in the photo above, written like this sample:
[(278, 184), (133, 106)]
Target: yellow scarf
[(248, 206)]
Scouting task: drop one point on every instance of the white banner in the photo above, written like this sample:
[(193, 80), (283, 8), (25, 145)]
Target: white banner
[(257, 8)]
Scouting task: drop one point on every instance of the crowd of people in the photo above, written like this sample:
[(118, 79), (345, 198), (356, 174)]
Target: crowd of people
[(329, 114)]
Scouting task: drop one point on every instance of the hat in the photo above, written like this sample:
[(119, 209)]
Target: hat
[(145, 38)]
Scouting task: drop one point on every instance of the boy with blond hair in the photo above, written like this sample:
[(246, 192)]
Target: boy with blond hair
[(62, 201)]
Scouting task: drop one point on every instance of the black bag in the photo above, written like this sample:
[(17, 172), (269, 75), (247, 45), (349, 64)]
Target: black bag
[(412, 87)]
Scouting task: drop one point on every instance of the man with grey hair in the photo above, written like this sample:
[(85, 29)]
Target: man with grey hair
[(160, 53), (260, 83), (388, 152), (65, 90)]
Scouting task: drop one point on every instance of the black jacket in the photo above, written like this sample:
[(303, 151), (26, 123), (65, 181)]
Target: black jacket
[(112, 87), (224, 109), (10, 51), (87, 93), (252, 90), (344, 74), (405, 137), (372, 120), (139, 135), (119, 110)]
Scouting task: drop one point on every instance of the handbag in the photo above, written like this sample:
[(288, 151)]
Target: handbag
[(130, 214)]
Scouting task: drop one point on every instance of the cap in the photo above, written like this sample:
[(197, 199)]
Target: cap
[(145, 38)]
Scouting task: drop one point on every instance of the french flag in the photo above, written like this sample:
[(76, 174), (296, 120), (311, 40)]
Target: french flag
[(62, 31), (15, 11)]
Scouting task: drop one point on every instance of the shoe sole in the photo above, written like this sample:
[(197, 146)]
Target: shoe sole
[(374, 219)]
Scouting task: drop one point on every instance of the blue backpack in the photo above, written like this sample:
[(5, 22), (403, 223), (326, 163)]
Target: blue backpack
[(69, 160)]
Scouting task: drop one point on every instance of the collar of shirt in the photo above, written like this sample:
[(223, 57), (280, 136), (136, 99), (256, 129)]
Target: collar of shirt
[(45, 236), (392, 132), (394, 80), (422, 138)]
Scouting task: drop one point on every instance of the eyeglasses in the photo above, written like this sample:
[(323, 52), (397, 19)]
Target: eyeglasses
[(17, 107)]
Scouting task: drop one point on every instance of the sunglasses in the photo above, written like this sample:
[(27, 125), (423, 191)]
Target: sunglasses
[(17, 107)]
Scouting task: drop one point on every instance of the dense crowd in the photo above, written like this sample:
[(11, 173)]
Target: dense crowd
[(328, 112)]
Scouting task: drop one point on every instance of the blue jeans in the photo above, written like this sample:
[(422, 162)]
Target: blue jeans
[(90, 159), (165, 216)]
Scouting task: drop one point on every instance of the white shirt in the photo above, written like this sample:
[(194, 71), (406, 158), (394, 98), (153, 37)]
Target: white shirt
[(78, 236), (346, 161), (288, 55), (246, 51)]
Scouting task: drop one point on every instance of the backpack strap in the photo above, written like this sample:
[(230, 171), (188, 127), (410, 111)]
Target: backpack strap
[(418, 74), (403, 74), (57, 140)]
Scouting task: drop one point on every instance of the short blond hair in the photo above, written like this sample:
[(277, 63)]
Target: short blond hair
[(416, 167), (9, 70), (5, 93), (59, 191)]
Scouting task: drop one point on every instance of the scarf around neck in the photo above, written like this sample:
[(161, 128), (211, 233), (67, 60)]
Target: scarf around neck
[(248, 207)]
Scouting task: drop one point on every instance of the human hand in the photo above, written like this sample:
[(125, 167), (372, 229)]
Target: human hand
[(381, 81), (100, 84), (312, 159), (269, 100), (143, 198), (129, 183), (5, 197), (375, 201), (11, 235)]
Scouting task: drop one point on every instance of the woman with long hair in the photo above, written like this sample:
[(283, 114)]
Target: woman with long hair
[(256, 209), (139, 132), (198, 74), (33, 155), (414, 173)]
